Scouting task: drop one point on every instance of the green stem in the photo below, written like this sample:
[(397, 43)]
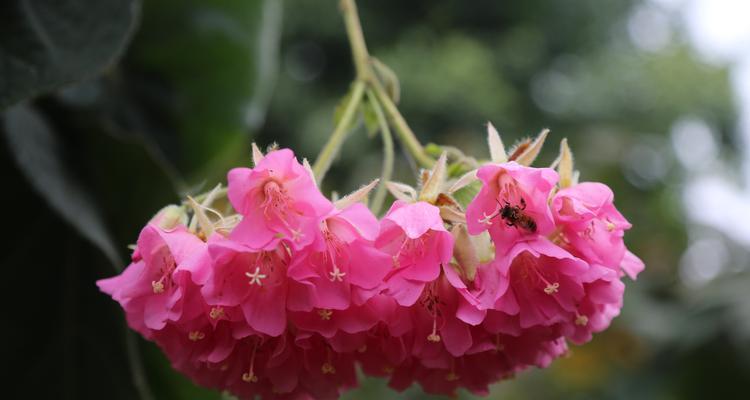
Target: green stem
[(405, 134), (366, 74), (356, 39), (388, 156), (332, 147), (366, 80)]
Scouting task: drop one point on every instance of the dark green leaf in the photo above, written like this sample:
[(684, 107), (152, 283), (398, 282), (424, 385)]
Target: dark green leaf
[(46, 44), (38, 154), (220, 58)]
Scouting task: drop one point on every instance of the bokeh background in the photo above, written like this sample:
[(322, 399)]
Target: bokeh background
[(113, 109)]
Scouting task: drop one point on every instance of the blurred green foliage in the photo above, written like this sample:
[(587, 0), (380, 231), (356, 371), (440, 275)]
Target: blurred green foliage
[(188, 97)]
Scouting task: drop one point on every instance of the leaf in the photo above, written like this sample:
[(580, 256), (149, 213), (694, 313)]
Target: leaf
[(38, 153), (47, 44), (389, 79), (466, 194), (463, 181), (220, 61)]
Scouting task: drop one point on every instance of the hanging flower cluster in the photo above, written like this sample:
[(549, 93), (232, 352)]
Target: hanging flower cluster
[(282, 293)]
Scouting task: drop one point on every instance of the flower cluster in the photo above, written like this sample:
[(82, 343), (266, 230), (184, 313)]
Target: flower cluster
[(288, 293)]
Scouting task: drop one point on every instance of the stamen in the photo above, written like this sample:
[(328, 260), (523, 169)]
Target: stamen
[(581, 320), (551, 288), (487, 219), (196, 336), (451, 377), (255, 277), (327, 368), (216, 312), (362, 349), (610, 226), (325, 314), (158, 286), (498, 346), (250, 376), (337, 275), (434, 337), (297, 234), (388, 369)]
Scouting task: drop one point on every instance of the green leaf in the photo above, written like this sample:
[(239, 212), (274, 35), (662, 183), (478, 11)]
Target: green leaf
[(433, 150), (39, 156), (220, 60), (465, 195), (47, 44)]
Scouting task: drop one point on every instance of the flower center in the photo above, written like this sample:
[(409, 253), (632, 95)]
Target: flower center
[(335, 252), (325, 314), (164, 281), (528, 269), (411, 250), (216, 312), (430, 301), (277, 204)]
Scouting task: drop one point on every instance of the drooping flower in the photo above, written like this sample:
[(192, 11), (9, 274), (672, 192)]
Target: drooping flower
[(343, 268), (278, 200), (253, 280), (512, 203), (544, 283), (592, 228), (152, 287), (418, 243)]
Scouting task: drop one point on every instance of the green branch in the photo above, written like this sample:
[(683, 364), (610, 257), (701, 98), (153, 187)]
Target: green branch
[(332, 147)]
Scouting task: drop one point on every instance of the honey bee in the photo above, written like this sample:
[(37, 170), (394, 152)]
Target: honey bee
[(514, 216)]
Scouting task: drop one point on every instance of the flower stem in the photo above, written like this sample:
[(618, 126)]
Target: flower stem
[(405, 134), (356, 39), (388, 156), (332, 147), (365, 73)]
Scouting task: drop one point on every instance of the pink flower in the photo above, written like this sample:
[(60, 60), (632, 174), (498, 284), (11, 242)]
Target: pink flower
[(601, 303), (152, 287), (253, 280), (544, 283), (519, 347), (512, 203), (414, 236), (593, 229), (325, 373), (278, 200), (354, 319), (343, 267)]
